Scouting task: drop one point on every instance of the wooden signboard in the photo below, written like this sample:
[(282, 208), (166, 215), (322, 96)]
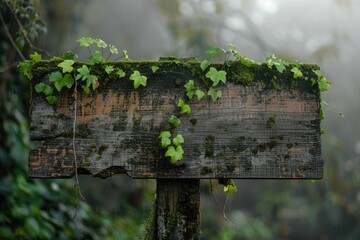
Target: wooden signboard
[(261, 127)]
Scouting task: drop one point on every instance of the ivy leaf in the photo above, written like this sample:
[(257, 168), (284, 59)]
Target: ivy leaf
[(190, 94), (100, 43), (178, 140), (125, 55), (138, 79), (154, 69), (185, 108), (48, 90), (175, 154), (278, 63), (109, 69), (66, 66), (85, 41), (297, 72), (199, 94), (68, 56), (215, 95), (35, 57), (174, 120), (40, 87), (68, 80), (120, 73), (86, 89), (189, 86), (246, 61), (230, 188), (322, 82), (26, 67), (216, 76), (96, 57), (55, 76), (51, 99), (204, 64), (213, 51), (165, 138), (114, 49), (84, 73)]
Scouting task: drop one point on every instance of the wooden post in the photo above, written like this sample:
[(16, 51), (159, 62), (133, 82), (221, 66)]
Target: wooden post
[(177, 209)]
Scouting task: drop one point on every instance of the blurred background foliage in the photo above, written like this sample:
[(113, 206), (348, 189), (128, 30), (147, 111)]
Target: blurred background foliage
[(116, 208)]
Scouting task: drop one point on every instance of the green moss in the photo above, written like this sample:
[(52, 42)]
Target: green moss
[(231, 167), (102, 148), (137, 124), (209, 146), (193, 121), (312, 151), (289, 145), (271, 121), (120, 125), (206, 170)]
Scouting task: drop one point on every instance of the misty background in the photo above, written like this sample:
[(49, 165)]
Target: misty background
[(325, 32)]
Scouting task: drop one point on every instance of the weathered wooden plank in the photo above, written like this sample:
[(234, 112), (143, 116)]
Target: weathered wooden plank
[(250, 132)]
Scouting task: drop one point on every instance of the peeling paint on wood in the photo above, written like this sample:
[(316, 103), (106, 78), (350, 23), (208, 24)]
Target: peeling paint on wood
[(117, 131)]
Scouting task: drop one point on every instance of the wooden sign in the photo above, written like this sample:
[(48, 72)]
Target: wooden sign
[(261, 127)]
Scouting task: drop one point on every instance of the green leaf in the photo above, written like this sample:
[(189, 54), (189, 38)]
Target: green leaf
[(216, 76), (154, 69), (68, 56), (86, 89), (125, 55), (185, 108), (247, 61), (55, 76), (297, 72), (178, 140), (165, 138), (66, 66), (113, 49), (68, 80), (189, 86), (277, 62), (213, 51), (120, 73), (85, 41), (26, 68), (100, 43), (174, 120), (199, 94), (51, 99), (190, 94), (215, 95), (138, 79), (204, 64), (175, 154), (40, 87), (35, 57), (96, 57), (230, 188), (109, 69), (322, 82), (84, 73), (48, 90), (232, 47)]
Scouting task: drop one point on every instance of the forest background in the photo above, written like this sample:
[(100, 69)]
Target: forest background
[(324, 32)]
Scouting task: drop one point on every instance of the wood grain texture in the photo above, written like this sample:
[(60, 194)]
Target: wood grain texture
[(250, 132)]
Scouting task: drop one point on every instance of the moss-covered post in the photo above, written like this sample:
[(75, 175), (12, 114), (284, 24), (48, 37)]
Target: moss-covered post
[(177, 209)]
